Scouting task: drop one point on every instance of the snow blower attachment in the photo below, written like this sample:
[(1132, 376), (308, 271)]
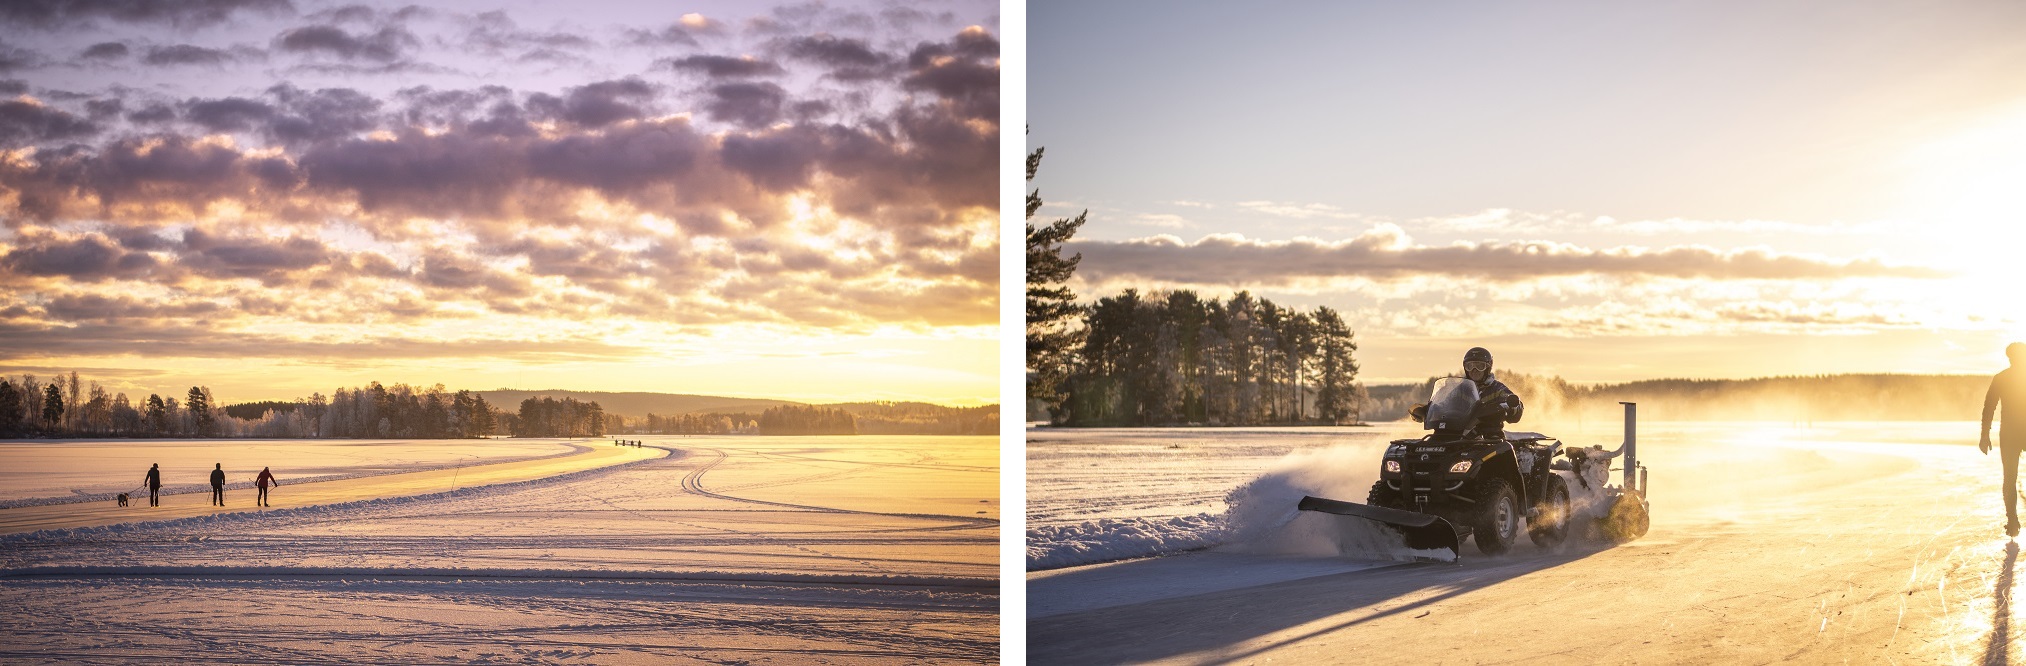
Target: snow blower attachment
[(1423, 531), (1482, 487)]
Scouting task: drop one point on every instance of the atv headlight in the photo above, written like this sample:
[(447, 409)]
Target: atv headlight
[(1393, 466), (1460, 468)]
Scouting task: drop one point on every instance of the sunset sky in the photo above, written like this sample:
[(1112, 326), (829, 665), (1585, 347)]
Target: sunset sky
[(1601, 190), (274, 197)]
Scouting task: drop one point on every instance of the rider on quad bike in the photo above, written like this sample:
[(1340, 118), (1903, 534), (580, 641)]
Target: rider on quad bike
[(1498, 404), (1469, 477)]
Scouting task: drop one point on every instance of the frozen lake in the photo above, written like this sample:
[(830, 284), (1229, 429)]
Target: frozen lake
[(1771, 542), (43, 471), (730, 549), (1081, 510)]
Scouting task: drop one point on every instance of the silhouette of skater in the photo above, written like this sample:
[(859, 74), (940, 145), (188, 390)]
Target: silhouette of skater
[(218, 485), (2008, 387), (266, 477), (154, 483)]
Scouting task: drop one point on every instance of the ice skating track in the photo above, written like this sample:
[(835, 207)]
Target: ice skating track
[(96, 514)]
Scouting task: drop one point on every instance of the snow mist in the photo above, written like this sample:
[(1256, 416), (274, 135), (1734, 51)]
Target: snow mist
[(1262, 517)]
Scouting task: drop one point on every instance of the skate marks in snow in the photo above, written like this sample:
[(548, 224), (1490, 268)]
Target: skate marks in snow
[(1868, 544), (369, 619), (605, 566), (1086, 588), (1285, 603)]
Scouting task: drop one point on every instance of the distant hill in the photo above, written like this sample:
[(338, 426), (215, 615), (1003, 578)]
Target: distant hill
[(1854, 397), (634, 405), (921, 418)]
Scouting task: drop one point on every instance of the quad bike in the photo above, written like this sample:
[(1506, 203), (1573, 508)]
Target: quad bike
[(1454, 483)]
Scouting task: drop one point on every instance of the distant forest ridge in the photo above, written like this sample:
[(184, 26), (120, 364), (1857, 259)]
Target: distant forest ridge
[(62, 406), (1853, 397), (856, 419), (638, 404)]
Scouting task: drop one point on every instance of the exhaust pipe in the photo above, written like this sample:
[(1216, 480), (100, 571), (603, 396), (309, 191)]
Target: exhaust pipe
[(1631, 446)]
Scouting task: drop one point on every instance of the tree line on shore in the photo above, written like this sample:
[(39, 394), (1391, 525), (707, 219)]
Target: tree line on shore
[(64, 407), (1176, 358), (865, 418), (69, 406), (1171, 358)]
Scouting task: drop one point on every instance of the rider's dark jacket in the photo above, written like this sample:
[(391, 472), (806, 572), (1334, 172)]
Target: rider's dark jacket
[(1496, 406)]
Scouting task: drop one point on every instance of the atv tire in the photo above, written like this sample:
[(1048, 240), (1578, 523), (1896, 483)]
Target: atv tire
[(1627, 519), (1384, 497), (1496, 523), (1551, 527)]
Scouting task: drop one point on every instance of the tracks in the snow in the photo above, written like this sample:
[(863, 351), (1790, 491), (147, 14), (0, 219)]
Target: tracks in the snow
[(693, 482)]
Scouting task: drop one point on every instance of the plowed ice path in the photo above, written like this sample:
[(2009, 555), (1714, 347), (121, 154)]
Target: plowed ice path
[(1867, 543), (871, 549)]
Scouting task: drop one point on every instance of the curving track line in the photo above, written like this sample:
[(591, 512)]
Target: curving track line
[(693, 483)]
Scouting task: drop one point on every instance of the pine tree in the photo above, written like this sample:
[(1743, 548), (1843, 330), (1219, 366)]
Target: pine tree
[(1051, 305), (1337, 397), (198, 403), (52, 407), (158, 415), (10, 408)]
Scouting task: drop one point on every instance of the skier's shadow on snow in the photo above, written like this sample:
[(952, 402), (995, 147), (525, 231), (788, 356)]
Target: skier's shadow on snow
[(2001, 615), (1212, 626)]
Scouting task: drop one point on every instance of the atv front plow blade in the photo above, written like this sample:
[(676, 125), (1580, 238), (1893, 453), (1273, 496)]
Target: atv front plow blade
[(1423, 531)]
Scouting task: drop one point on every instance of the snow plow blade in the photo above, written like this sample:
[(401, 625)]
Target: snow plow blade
[(1423, 531)]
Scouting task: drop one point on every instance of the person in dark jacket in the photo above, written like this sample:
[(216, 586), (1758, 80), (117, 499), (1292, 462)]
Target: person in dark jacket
[(266, 477), (218, 485), (1496, 404), (2008, 387), (154, 482)]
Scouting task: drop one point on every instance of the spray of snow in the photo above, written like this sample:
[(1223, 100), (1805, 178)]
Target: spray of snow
[(1259, 517), (1262, 517)]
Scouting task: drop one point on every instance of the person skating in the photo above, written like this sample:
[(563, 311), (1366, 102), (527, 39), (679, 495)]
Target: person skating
[(218, 485), (266, 477), (2008, 387), (1497, 404), (154, 483)]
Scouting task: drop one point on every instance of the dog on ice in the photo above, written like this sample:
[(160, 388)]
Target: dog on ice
[(123, 499)]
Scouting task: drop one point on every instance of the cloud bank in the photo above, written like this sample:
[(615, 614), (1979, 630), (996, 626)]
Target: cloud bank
[(1385, 252), (814, 168)]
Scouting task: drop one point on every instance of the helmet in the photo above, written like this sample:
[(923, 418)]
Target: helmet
[(1477, 355)]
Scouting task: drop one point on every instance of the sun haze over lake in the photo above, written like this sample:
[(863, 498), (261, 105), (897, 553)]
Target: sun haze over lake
[(1601, 191)]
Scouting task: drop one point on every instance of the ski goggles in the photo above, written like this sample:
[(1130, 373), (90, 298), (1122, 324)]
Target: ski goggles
[(1477, 366)]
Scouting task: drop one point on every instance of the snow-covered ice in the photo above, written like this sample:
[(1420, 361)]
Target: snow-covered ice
[(1202, 510), (731, 549), (1194, 488)]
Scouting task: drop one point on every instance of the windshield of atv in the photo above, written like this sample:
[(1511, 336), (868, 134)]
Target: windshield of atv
[(1450, 404)]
